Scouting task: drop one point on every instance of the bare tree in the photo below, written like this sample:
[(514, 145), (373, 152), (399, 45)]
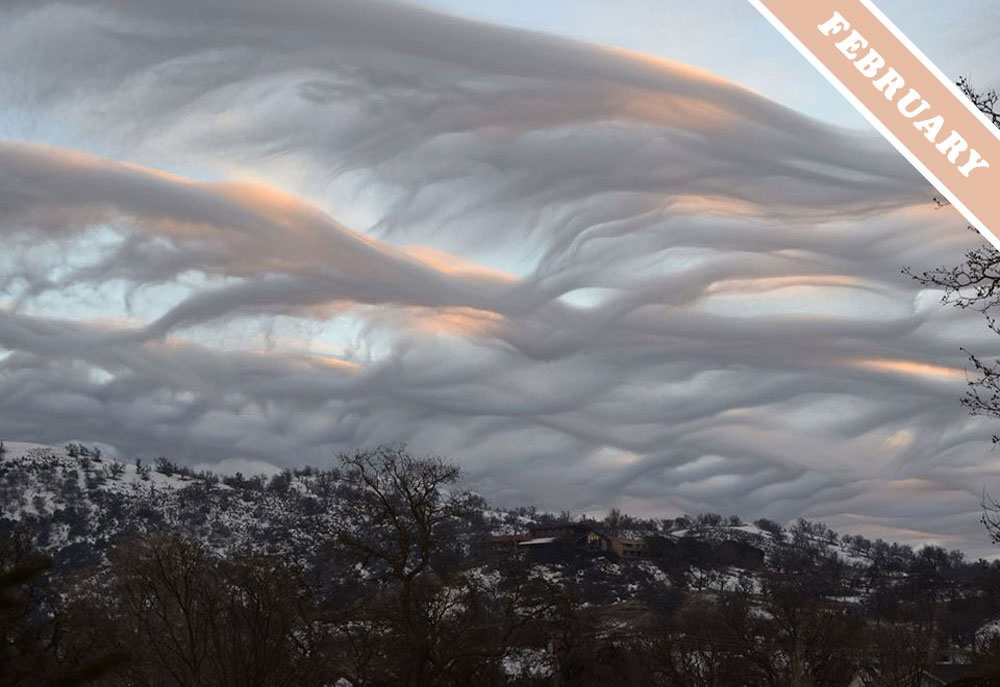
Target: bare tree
[(991, 517), (397, 520), (38, 642), (707, 644), (26, 634), (614, 520), (975, 285), (902, 650), (192, 618)]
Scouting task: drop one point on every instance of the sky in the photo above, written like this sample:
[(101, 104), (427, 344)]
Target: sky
[(597, 254), (731, 39)]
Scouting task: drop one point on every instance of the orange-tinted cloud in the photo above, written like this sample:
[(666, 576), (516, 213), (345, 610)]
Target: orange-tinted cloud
[(910, 367)]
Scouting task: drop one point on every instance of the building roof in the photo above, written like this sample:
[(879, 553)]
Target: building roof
[(499, 538)]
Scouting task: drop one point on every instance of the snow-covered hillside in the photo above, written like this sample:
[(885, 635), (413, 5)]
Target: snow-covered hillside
[(78, 505)]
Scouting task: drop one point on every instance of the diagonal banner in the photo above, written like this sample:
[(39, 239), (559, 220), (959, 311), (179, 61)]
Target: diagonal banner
[(916, 107)]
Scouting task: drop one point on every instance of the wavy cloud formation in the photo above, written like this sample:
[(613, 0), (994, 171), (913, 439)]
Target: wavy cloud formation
[(591, 277)]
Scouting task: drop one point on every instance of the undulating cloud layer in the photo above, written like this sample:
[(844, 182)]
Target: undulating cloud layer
[(243, 231)]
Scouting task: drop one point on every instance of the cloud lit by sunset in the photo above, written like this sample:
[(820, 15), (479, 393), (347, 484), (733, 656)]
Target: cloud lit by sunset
[(328, 225)]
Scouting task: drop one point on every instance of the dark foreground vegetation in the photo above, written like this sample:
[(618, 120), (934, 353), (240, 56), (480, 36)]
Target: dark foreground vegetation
[(381, 573)]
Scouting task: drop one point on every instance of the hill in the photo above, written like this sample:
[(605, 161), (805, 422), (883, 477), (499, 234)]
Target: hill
[(382, 523)]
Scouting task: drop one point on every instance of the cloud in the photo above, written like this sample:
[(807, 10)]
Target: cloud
[(245, 232)]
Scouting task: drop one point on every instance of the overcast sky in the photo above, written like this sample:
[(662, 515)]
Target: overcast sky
[(640, 256)]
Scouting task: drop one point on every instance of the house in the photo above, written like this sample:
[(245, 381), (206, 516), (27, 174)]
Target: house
[(501, 542), (628, 548), (559, 541)]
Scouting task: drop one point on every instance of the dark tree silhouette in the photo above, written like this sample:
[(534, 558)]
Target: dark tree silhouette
[(396, 513), (35, 636), (190, 617), (975, 285)]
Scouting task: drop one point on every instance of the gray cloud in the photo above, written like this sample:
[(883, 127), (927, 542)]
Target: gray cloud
[(590, 277)]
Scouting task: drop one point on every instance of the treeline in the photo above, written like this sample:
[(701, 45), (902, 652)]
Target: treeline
[(403, 596)]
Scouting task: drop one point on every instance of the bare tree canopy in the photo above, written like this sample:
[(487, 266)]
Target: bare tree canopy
[(975, 285)]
